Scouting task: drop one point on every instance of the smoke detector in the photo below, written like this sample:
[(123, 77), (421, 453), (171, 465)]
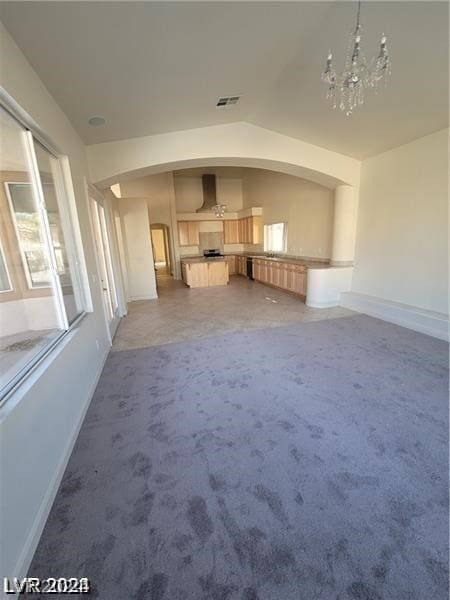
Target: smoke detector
[(227, 101), (96, 120)]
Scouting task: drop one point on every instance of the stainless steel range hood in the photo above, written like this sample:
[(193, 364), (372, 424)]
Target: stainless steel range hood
[(209, 193)]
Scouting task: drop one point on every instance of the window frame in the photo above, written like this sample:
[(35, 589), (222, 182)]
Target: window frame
[(23, 258), (284, 250), (3, 259), (33, 134)]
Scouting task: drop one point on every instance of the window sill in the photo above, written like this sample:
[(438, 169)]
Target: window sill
[(42, 359)]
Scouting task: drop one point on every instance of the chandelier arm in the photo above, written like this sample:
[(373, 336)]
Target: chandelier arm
[(358, 15)]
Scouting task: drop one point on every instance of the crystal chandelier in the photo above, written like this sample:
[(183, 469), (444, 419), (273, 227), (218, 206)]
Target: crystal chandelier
[(347, 92), (219, 210)]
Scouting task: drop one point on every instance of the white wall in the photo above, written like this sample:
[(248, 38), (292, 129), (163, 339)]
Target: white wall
[(234, 144), (39, 423), (29, 314), (402, 231), (306, 207), (138, 248)]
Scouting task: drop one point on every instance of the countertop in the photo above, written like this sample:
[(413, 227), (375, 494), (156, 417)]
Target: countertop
[(202, 259), (292, 260)]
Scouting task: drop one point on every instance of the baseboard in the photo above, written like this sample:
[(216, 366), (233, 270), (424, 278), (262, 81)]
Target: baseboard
[(425, 321), (26, 556), (321, 304), (137, 298)]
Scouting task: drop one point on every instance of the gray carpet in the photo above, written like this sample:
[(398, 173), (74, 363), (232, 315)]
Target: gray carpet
[(306, 462)]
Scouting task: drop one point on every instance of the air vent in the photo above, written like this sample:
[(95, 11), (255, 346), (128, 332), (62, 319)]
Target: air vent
[(227, 101)]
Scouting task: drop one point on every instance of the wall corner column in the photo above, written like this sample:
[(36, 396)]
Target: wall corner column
[(344, 225)]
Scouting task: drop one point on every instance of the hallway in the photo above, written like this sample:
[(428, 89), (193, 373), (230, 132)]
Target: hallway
[(181, 313)]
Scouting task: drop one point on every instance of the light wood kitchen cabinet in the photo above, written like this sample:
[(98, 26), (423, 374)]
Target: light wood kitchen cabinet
[(188, 233), (243, 231), (257, 230), (199, 273), (231, 231), (241, 265), (286, 276), (231, 260)]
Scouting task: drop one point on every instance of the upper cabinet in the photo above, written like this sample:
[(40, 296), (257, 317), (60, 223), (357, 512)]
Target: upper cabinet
[(243, 231), (188, 233), (247, 230), (231, 231)]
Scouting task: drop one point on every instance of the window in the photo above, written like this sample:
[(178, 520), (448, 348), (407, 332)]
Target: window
[(41, 291), (275, 237)]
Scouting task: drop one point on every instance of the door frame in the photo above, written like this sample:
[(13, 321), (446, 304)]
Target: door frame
[(167, 244), (95, 195)]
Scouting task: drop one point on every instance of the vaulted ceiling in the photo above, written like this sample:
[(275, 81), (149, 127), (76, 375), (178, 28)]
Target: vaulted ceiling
[(153, 67)]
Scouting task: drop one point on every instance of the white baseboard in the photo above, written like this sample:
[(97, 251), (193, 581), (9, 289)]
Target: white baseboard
[(26, 556), (330, 304), (425, 321), (137, 298)]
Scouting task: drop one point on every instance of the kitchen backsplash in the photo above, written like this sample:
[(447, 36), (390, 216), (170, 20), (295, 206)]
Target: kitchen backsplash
[(212, 239)]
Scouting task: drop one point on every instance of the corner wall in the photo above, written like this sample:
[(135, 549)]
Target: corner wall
[(402, 235), (305, 206), (138, 248)]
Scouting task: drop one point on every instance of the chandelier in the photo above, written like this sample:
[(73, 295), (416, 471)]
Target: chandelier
[(347, 91), (219, 210)]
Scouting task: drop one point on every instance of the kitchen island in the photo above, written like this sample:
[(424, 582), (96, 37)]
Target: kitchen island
[(204, 272)]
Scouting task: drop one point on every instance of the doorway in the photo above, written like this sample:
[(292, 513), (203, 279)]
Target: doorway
[(102, 238), (162, 256)]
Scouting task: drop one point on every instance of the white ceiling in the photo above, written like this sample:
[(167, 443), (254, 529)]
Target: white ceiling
[(156, 67)]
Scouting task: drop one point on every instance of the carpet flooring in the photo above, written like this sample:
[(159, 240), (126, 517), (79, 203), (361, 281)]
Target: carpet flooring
[(304, 462)]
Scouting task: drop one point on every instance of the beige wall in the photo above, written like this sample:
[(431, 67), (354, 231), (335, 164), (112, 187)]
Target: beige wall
[(306, 207), (189, 194), (138, 248), (160, 195), (158, 189), (402, 231)]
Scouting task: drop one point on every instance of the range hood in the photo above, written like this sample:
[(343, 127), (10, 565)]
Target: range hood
[(209, 193)]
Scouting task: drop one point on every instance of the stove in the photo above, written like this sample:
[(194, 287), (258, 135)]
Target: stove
[(212, 253)]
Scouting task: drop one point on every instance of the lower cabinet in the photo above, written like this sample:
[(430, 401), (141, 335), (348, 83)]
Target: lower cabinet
[(241, 265), (231, 260), (285, 276)]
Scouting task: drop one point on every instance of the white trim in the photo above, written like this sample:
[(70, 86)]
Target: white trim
[(136, 298), (39, 194), (116, 269), (20, 115), (3, 258), (29, 548), (36, 361), (98, 278), (429, 322)]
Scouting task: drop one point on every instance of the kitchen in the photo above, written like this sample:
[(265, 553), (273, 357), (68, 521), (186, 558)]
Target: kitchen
[(289, 226), (214, 265)]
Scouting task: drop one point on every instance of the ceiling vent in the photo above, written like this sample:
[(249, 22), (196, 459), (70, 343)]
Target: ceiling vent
[(227, 101)]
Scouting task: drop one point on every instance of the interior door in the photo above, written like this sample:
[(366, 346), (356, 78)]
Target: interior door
[(103, 244)]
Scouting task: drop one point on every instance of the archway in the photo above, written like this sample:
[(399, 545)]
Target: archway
[(162, 252)]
